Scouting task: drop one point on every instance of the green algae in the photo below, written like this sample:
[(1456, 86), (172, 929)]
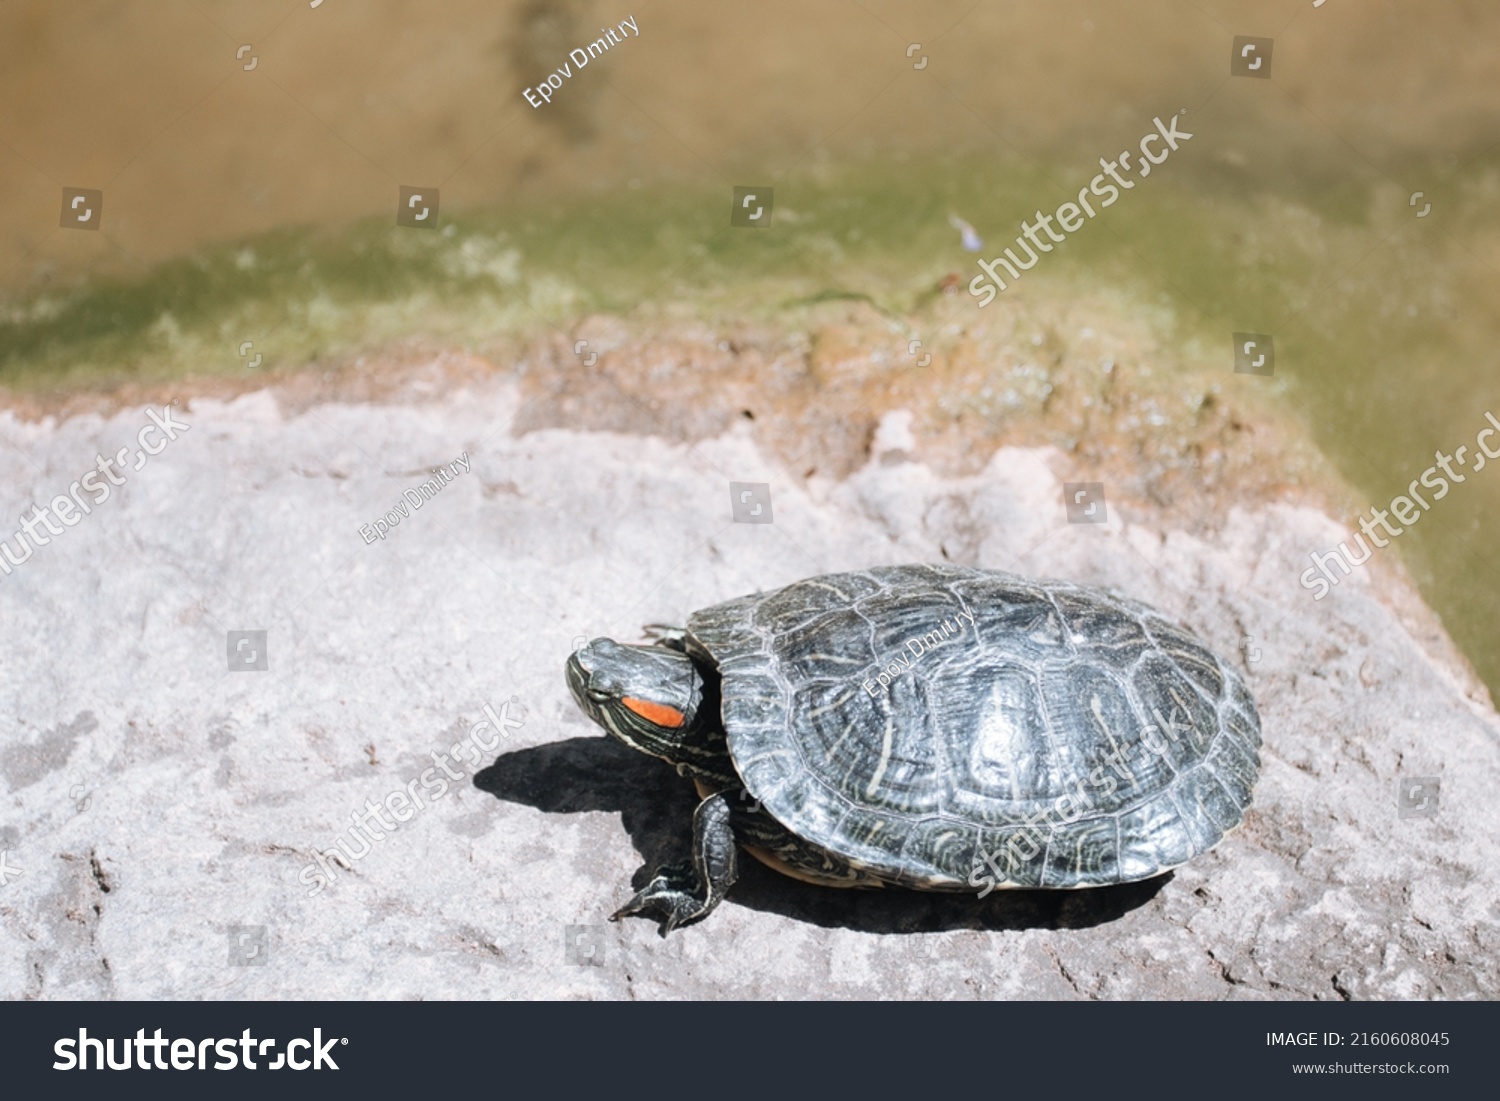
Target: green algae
[(1383, 325)]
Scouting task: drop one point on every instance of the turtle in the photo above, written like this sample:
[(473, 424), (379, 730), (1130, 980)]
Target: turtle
[(930, 727)]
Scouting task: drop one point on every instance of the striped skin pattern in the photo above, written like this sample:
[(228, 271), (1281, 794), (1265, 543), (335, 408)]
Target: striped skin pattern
[(1065, 738)]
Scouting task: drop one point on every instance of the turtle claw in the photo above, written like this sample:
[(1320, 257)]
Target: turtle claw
[(682, 893), (670, 897)]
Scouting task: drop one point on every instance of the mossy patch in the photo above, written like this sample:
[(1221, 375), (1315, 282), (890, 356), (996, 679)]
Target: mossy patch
[(1383, 325)]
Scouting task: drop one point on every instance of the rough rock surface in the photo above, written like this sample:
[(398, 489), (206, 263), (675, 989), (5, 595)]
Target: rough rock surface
[(162, 812)]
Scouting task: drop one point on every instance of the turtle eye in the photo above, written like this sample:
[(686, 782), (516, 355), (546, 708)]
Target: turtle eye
[(598, 696)]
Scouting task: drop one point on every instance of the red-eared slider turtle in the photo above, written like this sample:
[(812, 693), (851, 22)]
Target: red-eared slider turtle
[(933, 727)]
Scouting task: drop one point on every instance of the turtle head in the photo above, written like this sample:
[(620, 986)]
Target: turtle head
[(647, 696)]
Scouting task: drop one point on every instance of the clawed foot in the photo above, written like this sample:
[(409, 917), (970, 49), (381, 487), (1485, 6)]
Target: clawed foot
[(685, 892), (670, 898)]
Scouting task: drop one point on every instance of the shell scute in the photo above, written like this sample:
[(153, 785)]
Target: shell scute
[(1087, 852)]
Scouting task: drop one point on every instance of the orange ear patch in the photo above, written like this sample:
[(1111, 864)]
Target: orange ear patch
[(658, 713)]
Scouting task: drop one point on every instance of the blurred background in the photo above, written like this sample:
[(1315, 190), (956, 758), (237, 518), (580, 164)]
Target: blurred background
[(250, 155)]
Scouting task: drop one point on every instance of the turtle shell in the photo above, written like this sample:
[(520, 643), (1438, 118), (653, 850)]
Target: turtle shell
[(941, 726)]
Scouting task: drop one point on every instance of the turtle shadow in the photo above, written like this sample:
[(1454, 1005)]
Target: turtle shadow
[(656, 808), (897, 911), (599, 774)]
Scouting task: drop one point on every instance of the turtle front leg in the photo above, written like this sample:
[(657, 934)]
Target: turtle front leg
[(685, 892)]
